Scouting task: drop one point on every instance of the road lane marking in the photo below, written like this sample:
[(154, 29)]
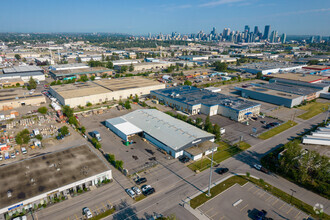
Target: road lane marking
[(275, 202), (289, 210), (282, 206), (297, 214), (244, 207)]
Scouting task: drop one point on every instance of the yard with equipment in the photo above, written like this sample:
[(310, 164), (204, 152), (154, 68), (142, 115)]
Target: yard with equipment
[(277, 130), (313, 109)]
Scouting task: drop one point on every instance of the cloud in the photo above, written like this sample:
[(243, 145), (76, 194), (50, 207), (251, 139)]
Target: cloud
[(302, 12), (219, 2)]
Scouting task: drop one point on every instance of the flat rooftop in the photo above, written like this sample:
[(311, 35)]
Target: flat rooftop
[(267, 65), (272, 92), (193, 96), (102, 86), (28, 178), (17, 94), (293, 89), (299, 77), (22, 69), (79, 71)]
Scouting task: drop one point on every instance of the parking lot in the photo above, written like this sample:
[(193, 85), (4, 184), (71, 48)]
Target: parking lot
[(244, 202), (234, 129)]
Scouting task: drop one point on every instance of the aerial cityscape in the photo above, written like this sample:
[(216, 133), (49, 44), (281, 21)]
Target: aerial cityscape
[(181, 110)]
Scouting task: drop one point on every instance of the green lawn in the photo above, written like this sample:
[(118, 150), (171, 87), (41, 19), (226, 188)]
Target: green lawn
[(104, 214), (225, 151), (313, 109), (202, 198), (200, 165), (277, 130)]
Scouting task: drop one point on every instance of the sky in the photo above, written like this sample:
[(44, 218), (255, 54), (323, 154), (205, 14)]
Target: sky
[(293, 17)]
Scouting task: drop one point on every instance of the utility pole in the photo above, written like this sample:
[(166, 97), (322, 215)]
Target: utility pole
[(292, 191), (209, 191), (327, 115)]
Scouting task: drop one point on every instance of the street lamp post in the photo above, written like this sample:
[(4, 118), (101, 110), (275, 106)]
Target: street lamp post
[(209, 191), (292, 191)]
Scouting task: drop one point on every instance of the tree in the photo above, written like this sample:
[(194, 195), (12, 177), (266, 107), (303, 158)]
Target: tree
[(119, 164), (186, 67), (136, 98), (187, 83), (92, 78), (67, 111), (208, 125), (216, 132), (18, 57), (123, 69), (23, 137), (84, 78), (220, 66), (32, 84), (83, 129), (127, 105), (259, 75), (64, 130), (109, 65), (131, 68), (79, 59), (42, 110), (313, 62), (73, 120), (198, 121)]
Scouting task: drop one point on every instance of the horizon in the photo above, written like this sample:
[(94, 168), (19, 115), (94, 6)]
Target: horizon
[(143, 17)]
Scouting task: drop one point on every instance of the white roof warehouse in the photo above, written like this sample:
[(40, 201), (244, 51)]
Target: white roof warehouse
[(168, 133)]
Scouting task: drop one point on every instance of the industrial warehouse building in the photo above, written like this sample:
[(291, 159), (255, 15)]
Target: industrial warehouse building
[(288, 93), (99, 91), (14, 98), (193, 101), (164, 131), (23, 73), (65, 73), (268, 67), (27, 183), (148, 66), (320, 137)]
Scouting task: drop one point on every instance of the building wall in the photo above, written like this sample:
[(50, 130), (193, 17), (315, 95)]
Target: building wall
[(159, 144), (94, 179), (16, 103), (24, 78), (98, 98), (278, 100), (116, 131)]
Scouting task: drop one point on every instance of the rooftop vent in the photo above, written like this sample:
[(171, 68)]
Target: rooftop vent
[(9, 193)]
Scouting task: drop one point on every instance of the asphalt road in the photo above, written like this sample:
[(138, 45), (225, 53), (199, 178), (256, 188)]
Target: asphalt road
[(174, 183)]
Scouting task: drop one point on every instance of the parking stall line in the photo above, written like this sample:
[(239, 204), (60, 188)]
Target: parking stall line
[(76, 216), (250, 188), (289, 210), (256, 191), (263, 194), (209, 210), (297, 214), (275, 202), (244, 207), (214, 215), (104, 206), (282, 206), (222, 218), (268, 198), (97, 208), (109, 203)]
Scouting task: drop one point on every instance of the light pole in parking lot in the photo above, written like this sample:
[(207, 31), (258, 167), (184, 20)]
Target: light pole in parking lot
[(209, 191)]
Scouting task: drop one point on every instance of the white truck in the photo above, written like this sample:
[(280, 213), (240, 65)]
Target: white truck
[(96, 134)]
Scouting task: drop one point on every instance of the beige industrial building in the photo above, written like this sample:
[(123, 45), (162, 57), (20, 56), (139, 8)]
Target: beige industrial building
[(192, 100), (99, 91), (148, 66), (15, 98)]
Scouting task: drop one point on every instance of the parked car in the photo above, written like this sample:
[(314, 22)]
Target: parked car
[(1, 157), (17, 152), (13, 155), (20, 218), (87, 212), (257, 166), (184, 159), (274, 123), (147, 190), (140, 180), (221, 170), (261, 215), (23, 150), (136, 190), (263, 122), (255, 118), (131, 193), (263, 169)]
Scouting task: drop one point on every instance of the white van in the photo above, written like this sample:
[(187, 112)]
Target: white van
[(23, 150)]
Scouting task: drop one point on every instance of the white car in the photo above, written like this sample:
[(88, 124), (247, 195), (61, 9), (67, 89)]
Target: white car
[(136, 190), (20, 218), (87, 212), (145, 188), (257, 166), (1, 157), (130, 192)]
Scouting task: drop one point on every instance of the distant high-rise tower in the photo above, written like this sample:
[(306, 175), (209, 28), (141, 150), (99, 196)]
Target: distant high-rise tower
[(283, 38), (247, 28), (266, 32), (312, 39), (256, 30), (213, 32)]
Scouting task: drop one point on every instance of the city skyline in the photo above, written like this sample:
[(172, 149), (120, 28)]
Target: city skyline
[(137, 18)]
